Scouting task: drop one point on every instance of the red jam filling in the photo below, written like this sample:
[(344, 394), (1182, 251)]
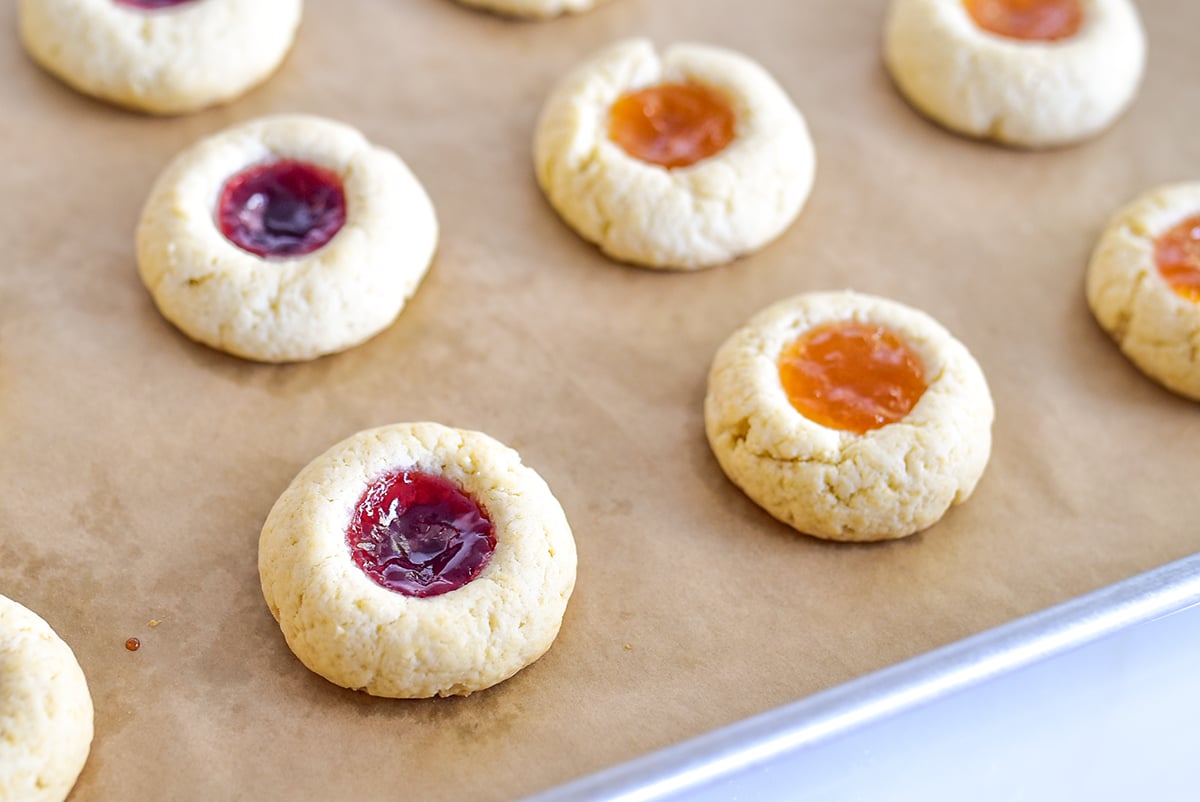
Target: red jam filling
[(672, 125), (1030, 20), (1177, 253), (283, 209), (151, 5), (852, 376), (419, 535)]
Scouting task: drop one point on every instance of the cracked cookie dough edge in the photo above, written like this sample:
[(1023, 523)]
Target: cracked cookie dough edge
[(888, 483), (1154, 327)]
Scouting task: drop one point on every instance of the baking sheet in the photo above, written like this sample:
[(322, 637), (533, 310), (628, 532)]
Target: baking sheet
[(138, 466), (1098, 675)]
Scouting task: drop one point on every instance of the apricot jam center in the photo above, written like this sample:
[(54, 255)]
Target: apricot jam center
[(1177, 253), (852, 376), (283, 209), (672, 125), (419, 535), (1031, 20), (150, 5)]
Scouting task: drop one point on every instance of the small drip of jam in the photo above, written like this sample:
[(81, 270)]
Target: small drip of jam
[(282, 209), (1029, 20), (133, 644), (672, 125), (152, 5), (852, 376), (419, 535), (1177, 253)]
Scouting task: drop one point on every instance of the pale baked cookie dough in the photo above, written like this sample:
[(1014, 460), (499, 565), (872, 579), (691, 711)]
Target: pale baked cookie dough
[(286, 309), (887, 483), (1156, 327), (357, 634), (169, 60), (534, 9), (1023, 93), (693, 217), (45, 710)]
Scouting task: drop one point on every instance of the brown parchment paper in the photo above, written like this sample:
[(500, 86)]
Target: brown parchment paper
[(137, 467)]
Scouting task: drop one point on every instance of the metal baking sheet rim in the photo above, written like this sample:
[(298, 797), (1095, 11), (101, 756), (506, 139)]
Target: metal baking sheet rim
[(843, 709)]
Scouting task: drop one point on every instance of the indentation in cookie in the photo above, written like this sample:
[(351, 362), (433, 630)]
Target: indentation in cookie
[(152, 5), (283, 209), (1031, 20), (1177, 254), (672, 124), (852, 376), (419, 535)]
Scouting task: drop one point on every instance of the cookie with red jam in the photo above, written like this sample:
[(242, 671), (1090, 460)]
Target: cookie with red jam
[(160, 56), (416, 560), (284, 239)]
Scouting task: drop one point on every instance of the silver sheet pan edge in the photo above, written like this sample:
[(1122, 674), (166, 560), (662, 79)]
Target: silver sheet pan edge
[(841, 710)]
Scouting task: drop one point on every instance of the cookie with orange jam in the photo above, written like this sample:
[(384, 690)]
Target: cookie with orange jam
[(1028, 73), (681, 161), (1143, 285), (416, 560), (849, 417)]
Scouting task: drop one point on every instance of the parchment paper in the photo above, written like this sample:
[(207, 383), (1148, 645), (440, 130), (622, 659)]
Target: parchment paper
[(138, 467)]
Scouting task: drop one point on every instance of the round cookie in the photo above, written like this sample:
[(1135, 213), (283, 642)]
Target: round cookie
[(534, 9), (1143, 285), (159, 56), (685, 217), (45, 710), (886, 482), (348, 602), (334, 234), (1027, 92)]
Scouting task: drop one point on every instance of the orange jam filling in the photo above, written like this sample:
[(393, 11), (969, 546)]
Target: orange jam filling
[(672, 125), (852, 376), (1178, 255), (1031, 20)]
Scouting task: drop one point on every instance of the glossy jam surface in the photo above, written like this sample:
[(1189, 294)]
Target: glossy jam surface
[(419, 535), (1177, 253), (852, 376), (283, 209), (1030, 20), (151, 5), (672, 125)]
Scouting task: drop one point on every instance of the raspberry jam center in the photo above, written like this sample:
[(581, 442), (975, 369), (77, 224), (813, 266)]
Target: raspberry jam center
[(672, 125), (419, 535), (1177, 253), (1031, 20), (852, 376), (283, 209), (151, 5)]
